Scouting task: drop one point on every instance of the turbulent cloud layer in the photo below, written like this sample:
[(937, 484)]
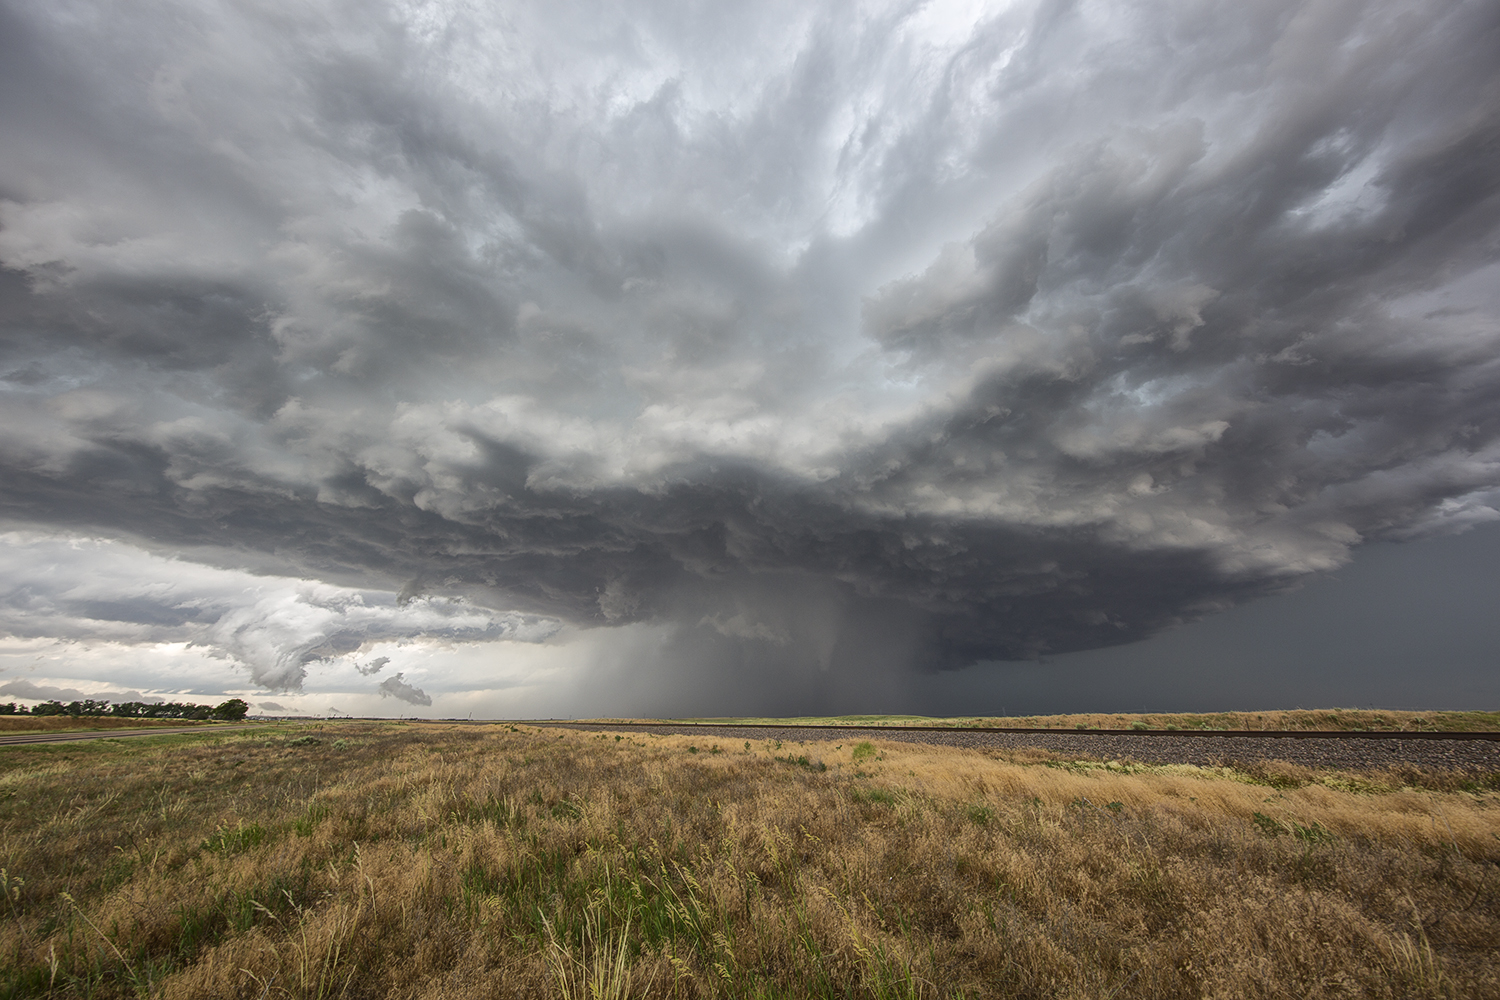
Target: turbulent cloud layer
[(100, 591), (832, 333)]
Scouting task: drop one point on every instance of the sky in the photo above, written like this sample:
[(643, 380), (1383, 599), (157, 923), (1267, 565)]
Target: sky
[(686, 358)]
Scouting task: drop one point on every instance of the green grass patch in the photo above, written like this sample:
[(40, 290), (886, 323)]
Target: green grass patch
[(235, 840)]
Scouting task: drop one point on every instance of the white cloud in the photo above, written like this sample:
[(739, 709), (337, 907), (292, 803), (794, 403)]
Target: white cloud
[(98, 592)]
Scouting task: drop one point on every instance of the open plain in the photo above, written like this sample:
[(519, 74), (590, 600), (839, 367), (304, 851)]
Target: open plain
[(399, 860)]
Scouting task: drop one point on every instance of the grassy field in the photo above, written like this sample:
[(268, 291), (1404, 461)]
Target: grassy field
[(1337, 720), (66, 723), (391, 860)]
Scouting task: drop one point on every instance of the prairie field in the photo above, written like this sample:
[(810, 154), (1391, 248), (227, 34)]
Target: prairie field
[(67, 723), (390, 860)]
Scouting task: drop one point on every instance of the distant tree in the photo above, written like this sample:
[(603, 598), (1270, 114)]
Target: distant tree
[(232, 710), (50, 708), (87, 706), (9, 708)]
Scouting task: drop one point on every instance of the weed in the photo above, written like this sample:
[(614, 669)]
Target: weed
[(567, 809), (1312, 834), (1267, 826), (802, 760), (305, 824), (240, 838)]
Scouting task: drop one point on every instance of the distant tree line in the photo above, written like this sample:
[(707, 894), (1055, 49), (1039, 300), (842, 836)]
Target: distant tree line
[(232, 710)]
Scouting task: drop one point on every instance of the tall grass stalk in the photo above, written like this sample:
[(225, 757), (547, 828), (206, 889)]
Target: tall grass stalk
[(601, 969)]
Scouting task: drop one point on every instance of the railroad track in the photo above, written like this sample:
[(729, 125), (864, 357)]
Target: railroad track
[(1475, 752), (20, 739), (1311, 734)]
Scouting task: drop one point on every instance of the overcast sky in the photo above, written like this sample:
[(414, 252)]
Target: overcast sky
[(705, 358)]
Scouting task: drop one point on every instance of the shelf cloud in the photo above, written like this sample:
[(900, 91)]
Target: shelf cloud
[(832, 336)]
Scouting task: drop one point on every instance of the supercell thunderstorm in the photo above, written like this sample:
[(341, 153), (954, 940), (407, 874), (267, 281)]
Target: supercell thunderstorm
[(830, 336)]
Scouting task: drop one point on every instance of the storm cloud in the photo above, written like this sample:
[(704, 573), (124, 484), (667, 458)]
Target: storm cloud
[(100, 591), (396, 687), (828, 337)]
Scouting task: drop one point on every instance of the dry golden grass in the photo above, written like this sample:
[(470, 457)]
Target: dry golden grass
[(1333, 719), (61, 723), (426, 861)]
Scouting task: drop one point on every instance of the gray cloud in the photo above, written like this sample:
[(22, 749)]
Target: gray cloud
[(22, 688), (273, 626), (836, 337), (396, 687)]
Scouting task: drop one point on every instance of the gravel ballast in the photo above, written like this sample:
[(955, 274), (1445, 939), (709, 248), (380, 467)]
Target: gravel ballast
[(1339, 752)]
